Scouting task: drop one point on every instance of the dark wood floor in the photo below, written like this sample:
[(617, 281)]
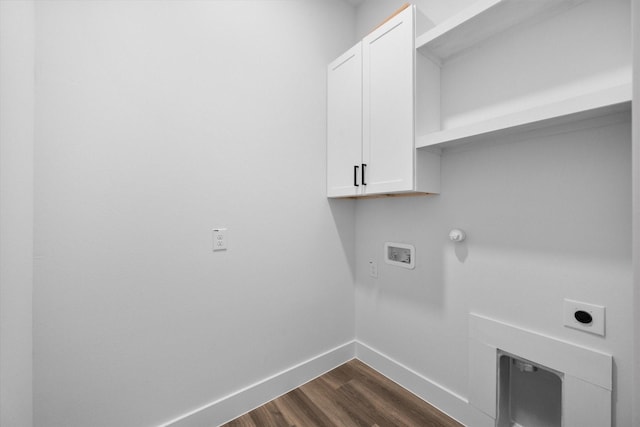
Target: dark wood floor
[(351, 395)]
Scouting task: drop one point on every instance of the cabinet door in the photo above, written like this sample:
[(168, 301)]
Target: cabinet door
[(344, 124), (388, 104)]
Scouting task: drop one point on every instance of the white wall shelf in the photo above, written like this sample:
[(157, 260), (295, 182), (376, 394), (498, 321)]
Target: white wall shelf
[(517, 68), (370, 117), (599, 103), (481, 21)]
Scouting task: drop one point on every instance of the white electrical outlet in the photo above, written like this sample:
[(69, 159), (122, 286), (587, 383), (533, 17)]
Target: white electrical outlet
[(219, 239), (583, 316), (373, 269)]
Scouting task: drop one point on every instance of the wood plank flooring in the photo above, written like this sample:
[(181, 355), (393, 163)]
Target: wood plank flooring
[(352, 395)]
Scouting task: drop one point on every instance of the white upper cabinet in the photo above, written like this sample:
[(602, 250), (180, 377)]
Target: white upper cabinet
[(496, 69), (388, 82), (344, 124), (371, 116)]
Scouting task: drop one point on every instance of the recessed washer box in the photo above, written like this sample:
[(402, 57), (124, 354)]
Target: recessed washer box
[(584, 316), (400, 254)]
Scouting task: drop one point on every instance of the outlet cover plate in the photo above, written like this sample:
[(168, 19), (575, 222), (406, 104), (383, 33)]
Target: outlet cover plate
[(373, 269), (219, 239), (597, 313)]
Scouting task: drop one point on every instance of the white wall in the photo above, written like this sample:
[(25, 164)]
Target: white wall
[(636, 205), (16, 211), (548, 217), (156, 122)]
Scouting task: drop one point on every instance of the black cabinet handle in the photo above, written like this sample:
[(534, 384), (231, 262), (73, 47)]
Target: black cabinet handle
[(355, 176), (364, 165)]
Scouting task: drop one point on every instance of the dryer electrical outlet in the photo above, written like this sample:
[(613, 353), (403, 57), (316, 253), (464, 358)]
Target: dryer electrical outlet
[(584, 316)]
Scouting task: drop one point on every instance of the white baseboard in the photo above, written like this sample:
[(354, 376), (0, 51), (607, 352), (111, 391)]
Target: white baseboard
[(242, 401), (248, 398), (445, 400)]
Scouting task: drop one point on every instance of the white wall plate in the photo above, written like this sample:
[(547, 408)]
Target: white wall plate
[(583, 316)]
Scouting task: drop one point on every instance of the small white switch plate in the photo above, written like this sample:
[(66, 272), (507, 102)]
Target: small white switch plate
[(219, 239), (597, 313), (373, 269)]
